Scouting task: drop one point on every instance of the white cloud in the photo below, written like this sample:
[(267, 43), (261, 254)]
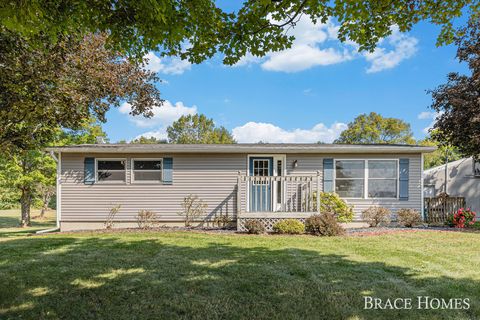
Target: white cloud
[(267, 132), (318, 45), (170, 65), (162, 116), (304, 56), (160, 134), (426, 115), (247, 60), (402, 47)]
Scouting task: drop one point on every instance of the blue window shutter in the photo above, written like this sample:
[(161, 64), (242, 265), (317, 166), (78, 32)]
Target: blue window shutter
[(403, 177), (89, 171), (168, 170), (328, 175)]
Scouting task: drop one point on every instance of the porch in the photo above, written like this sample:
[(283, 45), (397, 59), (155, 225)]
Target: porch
[(273, 198)]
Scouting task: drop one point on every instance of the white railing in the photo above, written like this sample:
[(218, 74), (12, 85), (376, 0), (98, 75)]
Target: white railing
[(269, 194)]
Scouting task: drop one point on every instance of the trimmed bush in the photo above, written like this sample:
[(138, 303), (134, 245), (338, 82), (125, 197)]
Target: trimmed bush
[(331, 202), (409, 217), (324, 224), (289, 226), (254, 226), (376, 216)]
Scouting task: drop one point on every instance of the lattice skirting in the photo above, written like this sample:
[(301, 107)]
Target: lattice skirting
[(267, 222)]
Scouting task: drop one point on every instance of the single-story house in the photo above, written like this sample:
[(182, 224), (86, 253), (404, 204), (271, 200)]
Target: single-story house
[(237, 181), (459, 178)]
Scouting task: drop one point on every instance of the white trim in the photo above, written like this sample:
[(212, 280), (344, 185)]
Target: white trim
[(132, 174), (275, 157), (280, 215), (59, 190), (365, 178), (110, 182), (244, 148)]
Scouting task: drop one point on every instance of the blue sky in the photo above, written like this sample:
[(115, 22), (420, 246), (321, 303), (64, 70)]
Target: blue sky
[(305, 94)]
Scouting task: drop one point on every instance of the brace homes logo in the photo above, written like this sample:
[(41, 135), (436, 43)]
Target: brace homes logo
[(419, 303)]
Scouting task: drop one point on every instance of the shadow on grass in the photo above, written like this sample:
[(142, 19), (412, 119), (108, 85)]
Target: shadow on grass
[(87, 278), (9, 222)]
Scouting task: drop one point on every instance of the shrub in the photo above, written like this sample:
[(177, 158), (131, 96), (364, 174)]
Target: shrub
[(463, 217), (324, 224), (289, 226), (331, 202), (408, 217), (111, 216), (221, 221), (375, 216), (449, 221), (193, 207), (254, 226), (146, 219), (475, 225)]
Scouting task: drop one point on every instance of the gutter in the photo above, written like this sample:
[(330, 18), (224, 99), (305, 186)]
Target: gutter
[(243, 149)]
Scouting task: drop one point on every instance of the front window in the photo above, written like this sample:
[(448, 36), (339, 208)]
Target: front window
[(261, 168), (382, 178), (366, 178), (147, 170), (350, 178), (110, 170)]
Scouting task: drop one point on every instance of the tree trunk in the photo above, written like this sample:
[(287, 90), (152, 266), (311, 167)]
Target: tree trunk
[(42, 212), (25, 201), (46, 200)]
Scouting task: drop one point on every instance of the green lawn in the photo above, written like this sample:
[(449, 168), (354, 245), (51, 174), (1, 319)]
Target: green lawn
[(10, 219), (166, 275)]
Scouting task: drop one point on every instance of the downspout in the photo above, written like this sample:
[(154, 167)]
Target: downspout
[(58, 160)]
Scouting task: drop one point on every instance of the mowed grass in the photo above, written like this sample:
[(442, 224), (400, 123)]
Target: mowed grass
[(10, 219), (182, 275)]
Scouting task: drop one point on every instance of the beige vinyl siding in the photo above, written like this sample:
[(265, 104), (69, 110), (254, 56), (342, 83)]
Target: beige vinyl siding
[(309, 164), (212, 177)]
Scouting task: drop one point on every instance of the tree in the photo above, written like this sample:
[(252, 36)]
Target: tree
[(150, 140), (457, 102), (30, 174), (62, 84), (257, 26), (373, 128), (197, 129), (25, 172), (443, 154)]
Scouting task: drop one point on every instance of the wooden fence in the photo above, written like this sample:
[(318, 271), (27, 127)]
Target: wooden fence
[(437, 209)]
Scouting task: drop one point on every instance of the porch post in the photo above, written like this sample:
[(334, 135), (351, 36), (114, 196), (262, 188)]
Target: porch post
[(318, 190)]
